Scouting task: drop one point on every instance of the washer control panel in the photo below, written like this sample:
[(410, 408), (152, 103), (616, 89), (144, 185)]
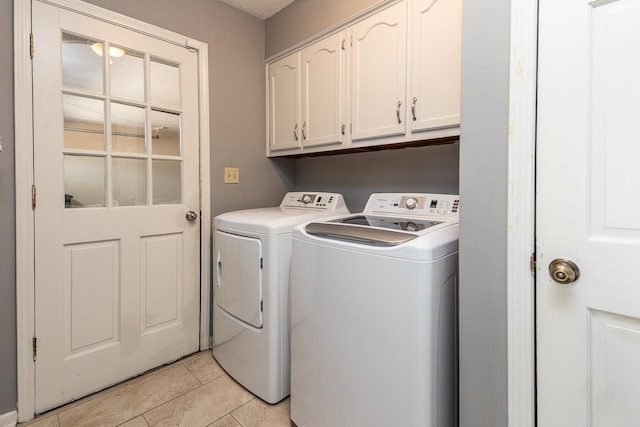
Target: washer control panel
[(420, 204), (314, 201)]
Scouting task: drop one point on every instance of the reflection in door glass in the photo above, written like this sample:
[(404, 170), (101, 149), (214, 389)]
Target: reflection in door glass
[(129, 182), (83, 122), (82, 63), (127, 75), (165, 129), (83, 181), (167, 182), (127, 128), (165, 83)]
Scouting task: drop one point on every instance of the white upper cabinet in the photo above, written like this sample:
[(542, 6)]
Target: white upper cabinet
[(284, 103), (390, 76), (434, 94), (378, 65), (323, 91)]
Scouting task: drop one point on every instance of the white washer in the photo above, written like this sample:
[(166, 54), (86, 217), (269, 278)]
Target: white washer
[(374, 315), (252, 253)]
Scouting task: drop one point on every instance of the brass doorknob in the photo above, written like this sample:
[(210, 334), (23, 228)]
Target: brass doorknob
[(191, 216), (564, 271)]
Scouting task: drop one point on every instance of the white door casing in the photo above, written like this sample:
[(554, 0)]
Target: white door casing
[(588, 211), (83, 254)]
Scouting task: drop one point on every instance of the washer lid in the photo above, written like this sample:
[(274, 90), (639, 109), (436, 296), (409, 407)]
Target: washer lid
[(389, 222), (364, 235)]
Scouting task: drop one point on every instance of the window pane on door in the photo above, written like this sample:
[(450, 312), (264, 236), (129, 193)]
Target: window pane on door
[(83, 122), (127, 128), (164, 83), (167, 182), (82, 63), (84, 181), (127, 74), (129, 182), (166, 133)]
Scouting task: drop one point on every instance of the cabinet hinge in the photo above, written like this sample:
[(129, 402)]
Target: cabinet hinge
[(35, 347), (33, 197), (31, 49), (532, 263)]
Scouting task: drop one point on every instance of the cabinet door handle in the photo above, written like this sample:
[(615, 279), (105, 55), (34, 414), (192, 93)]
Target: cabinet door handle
[(413, 108), (304, 135), (295, 132), (398, 111)]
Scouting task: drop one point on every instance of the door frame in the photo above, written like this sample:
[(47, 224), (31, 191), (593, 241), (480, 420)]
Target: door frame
[(521, 174), (24, 168)]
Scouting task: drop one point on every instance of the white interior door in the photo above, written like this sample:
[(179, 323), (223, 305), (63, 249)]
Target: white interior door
[(588, 198), (116, 169)]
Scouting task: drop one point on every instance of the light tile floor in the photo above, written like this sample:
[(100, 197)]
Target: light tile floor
[(190, 392)]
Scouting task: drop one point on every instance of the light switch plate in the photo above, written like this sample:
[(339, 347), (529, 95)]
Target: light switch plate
[(231, 175)]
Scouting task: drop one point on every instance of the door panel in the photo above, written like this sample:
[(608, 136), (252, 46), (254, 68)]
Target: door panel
[(379, 74), (323, 82), (116, 169), (284, 103), (239, 277), (588, 331)]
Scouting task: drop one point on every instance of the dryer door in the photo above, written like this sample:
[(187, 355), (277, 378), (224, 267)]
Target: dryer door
[(239, 277)]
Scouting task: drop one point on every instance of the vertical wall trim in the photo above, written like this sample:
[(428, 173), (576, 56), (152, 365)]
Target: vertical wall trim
[(24, 213), (521, 217)]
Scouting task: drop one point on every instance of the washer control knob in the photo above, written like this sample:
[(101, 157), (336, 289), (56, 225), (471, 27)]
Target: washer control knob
[(411, 203), (306, 199)]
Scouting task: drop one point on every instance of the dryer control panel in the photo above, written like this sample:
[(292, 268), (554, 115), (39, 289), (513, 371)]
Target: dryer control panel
[(419, 204), (313, 201)]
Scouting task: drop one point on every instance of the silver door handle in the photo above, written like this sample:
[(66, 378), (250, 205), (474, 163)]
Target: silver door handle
[(304, 135), (191, 216), (413, 108), (295, 132), (564, 271), (398, 111)]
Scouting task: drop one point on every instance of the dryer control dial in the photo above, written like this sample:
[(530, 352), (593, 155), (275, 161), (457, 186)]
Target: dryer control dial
[(306, 199), (411, 203)]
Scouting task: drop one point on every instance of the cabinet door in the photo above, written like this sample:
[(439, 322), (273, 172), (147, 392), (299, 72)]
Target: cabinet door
[(323, 69), (379, 74), (284, 103), (435, 76)]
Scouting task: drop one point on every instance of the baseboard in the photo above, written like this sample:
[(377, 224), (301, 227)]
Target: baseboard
[(9, 419)]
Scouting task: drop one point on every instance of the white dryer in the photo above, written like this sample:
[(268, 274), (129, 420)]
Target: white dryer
[(374, 317), (252, 253)]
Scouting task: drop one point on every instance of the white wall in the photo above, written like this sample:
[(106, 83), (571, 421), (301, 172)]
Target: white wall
[(483, 213)]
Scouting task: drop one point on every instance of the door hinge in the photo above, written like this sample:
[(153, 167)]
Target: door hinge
[(532, 263), (33, 197), (35, 347), (31, 49)]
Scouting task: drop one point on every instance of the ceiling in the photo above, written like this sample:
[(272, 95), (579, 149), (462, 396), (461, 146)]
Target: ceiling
[(262, 9)]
